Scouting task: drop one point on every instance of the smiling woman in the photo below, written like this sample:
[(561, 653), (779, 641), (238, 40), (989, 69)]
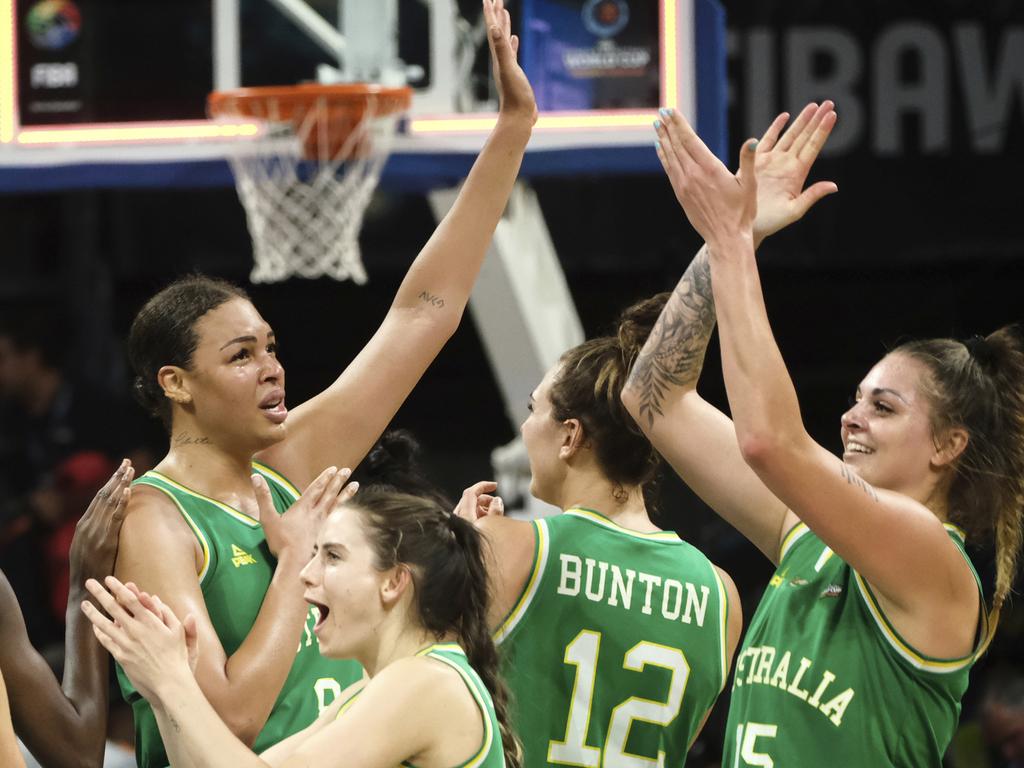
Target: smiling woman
[(875, 607), (206, 364)]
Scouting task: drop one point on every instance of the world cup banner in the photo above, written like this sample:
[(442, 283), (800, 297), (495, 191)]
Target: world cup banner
[(592, 54)]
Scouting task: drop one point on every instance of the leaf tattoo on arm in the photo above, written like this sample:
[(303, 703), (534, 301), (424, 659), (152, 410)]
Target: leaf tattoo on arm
[(674, 353)]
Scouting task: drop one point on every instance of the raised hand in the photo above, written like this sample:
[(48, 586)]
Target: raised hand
[(94, 546), (151, 648), (782, 165), (515, 95), (295, 530), (719, 204), (477, 501)]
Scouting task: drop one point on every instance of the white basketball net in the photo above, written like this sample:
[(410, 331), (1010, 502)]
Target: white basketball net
[(304, 215)]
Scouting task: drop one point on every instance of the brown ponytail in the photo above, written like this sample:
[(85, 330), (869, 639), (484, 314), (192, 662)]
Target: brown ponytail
[(446, 557), (978, 385), (588, 388)]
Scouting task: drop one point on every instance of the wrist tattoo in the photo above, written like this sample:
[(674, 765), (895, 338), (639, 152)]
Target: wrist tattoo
[(674, 354), (430, 298)]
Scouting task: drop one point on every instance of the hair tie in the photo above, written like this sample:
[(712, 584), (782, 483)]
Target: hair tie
[(980, 350)]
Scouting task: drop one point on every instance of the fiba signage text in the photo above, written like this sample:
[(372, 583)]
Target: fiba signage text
[(911, 88)]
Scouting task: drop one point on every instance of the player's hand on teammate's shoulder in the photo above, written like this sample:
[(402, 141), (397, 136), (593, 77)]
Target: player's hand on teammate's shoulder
[(478, 501), (94, 546), (515, 95), (294, 531)]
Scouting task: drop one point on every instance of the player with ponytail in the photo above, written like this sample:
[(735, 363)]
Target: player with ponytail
[(399, 584), (860, 650)]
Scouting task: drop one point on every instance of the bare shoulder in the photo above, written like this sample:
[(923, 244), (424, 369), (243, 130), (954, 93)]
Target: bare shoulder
[(734, 615), (506, 532), (153, 517)]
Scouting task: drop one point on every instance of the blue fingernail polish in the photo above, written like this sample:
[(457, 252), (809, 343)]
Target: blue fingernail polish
[(665, 111), (657, 144), (657, 125), (752, 146)]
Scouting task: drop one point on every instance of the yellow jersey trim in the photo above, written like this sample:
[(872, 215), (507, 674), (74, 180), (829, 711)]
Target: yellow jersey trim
[(597, 517), (540, 558), (471, 684), (283, 481), (723, 603), (911, 655), (241, 517), (188, 519), (790, 538)]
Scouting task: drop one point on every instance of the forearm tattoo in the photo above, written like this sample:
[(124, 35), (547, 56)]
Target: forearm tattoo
[(431, 299), (674, 354), (854, 480)]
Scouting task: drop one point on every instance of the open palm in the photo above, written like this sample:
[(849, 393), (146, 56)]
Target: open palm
[(782, 164)]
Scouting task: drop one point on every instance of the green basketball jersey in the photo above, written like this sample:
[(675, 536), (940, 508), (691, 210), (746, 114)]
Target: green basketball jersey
[(824, 679), (236, 574), (616, 648), (491, 753)]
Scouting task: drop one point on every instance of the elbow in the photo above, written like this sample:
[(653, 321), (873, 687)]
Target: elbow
[(770, 452), (758, 449), (245, 727)]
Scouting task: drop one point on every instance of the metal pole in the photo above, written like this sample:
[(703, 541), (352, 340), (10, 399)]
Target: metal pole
[(227, 57)]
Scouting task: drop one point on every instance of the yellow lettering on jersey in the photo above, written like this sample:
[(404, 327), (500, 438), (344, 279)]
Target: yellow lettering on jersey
[(777, 579), (241, 557)]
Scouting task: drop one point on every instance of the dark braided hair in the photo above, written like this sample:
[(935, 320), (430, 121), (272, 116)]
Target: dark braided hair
[(445, 555)]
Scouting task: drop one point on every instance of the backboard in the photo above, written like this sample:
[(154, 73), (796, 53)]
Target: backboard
[(101, 93)]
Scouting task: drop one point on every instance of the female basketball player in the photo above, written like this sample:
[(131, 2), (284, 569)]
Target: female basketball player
[(399, 585), (206, 362), (39, 705), (616, 636), (861, 646), (633, 611)]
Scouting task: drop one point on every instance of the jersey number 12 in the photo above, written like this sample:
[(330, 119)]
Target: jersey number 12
[(582, 653)]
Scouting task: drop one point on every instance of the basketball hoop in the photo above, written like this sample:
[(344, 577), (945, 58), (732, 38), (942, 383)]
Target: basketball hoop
[(305, 181)]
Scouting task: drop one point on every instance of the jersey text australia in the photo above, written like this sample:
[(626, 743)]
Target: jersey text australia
[(824, 679)]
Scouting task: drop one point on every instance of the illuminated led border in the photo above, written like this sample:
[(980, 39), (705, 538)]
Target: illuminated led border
[(612, 119), (8, 86), (119, 132), (105, 133)]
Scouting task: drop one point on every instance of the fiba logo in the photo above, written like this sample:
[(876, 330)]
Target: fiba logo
[(605, 18), (53, 24)]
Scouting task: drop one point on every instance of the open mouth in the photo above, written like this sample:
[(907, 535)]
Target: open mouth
[(857, 448), (273, 406), (321, 613)]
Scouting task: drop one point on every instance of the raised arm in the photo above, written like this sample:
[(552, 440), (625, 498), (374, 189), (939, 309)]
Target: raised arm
[(696, 438), (242, 687), (40, 706), (341, 424), (896, 543)]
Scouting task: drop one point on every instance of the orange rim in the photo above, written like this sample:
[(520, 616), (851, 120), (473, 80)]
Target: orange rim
[(288, 103)]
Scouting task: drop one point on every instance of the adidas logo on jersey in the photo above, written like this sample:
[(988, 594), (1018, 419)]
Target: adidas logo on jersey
[(241, 557)]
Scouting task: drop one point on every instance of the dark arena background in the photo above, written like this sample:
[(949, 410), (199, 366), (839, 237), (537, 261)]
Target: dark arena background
[(924, 238)]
